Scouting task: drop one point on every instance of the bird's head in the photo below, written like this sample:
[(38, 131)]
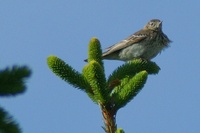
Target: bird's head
[(154, 24)]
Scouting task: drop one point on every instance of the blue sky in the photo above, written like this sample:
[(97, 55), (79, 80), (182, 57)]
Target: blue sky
[(30, 31)]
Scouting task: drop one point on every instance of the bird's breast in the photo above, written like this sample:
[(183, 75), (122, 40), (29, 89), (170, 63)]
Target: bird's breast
[(141, 50)]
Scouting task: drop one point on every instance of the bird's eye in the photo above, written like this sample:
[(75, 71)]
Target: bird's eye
[(151, 24)]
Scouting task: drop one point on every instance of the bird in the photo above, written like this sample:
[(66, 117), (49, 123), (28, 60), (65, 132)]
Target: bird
[(146, 44)]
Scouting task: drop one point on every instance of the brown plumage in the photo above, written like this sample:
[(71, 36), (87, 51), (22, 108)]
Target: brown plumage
[(146, 44)]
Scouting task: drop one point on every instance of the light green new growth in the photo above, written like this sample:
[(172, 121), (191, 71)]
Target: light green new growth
[(133, 67), (67, 73), (94, 51), (112, 94), (120, 130), (130, 86), (94, 74)]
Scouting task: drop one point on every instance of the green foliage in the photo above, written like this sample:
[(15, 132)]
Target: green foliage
[(67, 73), (133, 67), (129, 87), (7, 124), (120, 130), (12, 80), (94, 51), (112, 94), (94, 74)]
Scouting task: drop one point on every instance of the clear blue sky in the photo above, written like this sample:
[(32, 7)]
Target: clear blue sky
[(30, 31)]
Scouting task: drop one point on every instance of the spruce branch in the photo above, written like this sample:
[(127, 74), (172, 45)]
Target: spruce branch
[(129, 88), (7, 124), (109, 117), (120, 130), (67, 73), (121, 87), (132, 67), (94, 74), (95, 51), (12, 80)]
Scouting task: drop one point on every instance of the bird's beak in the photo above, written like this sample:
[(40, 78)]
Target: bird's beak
[(160, 22)]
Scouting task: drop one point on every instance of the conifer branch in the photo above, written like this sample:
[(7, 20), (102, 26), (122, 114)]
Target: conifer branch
[(112, 94), (94, 74), (7, 124), (67, 73), (12, 80), (128, 89), (94, 51), (133, 67)]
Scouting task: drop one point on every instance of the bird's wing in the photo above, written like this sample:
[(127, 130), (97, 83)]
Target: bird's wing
[(135, 38)]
